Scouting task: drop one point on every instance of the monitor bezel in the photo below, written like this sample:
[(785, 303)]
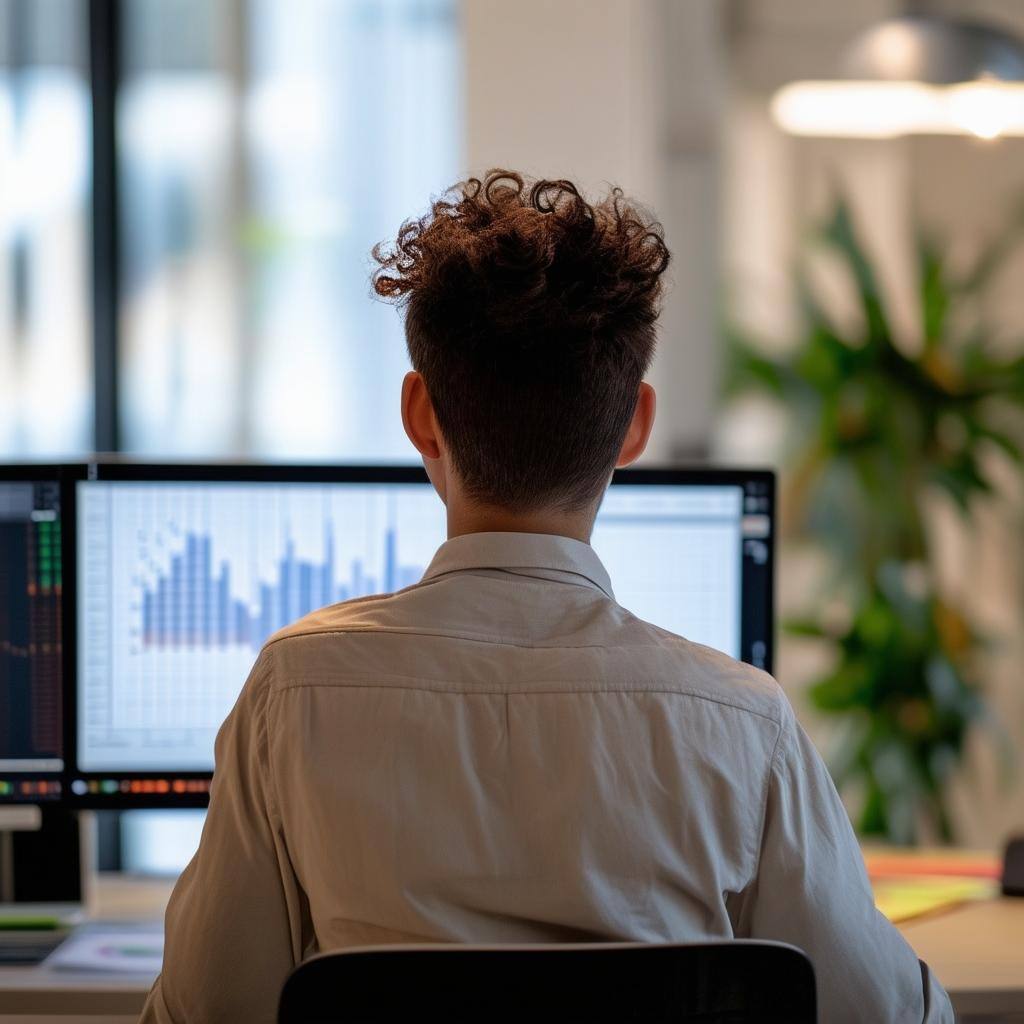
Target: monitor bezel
[(125, 470)]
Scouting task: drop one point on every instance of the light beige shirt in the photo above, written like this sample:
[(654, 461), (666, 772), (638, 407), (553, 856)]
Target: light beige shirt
[(501, 753)]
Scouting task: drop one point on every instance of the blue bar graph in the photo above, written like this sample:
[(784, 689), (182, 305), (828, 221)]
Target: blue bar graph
[(192, 605)]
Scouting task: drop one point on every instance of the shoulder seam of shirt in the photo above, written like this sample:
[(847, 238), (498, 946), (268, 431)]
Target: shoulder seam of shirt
[(264, 692), (484, 573), (500, 572), (764, 798), (439, 686), (482, 638)]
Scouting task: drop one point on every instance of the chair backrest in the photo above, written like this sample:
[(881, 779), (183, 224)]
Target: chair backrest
[(731, 982)]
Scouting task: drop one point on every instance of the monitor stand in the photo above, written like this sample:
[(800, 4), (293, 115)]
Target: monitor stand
[(43, 855)]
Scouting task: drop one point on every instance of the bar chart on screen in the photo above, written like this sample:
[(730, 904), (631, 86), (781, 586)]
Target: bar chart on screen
[(182, 583), (192, 604)]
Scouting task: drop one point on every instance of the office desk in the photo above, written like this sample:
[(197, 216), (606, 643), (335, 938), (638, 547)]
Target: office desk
[(976, 949), (37, 995)]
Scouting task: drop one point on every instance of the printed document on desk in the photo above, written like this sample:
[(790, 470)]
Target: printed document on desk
[(111, 948)]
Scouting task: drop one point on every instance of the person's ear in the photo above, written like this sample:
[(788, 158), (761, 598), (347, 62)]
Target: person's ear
[(639, 431), (418, 416)]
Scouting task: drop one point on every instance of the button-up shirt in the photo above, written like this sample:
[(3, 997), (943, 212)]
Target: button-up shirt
[(501, 753)]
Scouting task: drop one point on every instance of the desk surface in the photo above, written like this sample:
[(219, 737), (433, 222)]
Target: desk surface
[(976, 950)]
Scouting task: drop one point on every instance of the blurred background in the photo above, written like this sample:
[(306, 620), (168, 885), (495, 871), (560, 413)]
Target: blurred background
[(189, 190)]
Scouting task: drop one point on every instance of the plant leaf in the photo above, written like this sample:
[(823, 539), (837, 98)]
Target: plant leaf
[(840, 233), (935, 295)]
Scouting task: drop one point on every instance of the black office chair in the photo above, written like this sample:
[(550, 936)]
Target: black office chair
[(732, 982)]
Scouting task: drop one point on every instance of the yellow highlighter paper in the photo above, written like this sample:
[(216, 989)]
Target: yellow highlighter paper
[(913, 883), (901, 899)]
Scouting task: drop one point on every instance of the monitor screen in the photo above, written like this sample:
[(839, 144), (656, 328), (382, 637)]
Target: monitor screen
[(180, 582), (31, 640)]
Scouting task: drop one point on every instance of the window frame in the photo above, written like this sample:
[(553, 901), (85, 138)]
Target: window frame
[(104, 30)]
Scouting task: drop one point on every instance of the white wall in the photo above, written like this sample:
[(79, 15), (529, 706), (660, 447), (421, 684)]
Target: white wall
[(622, 92)]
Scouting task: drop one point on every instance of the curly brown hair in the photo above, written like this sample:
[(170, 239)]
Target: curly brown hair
[(531, 315)]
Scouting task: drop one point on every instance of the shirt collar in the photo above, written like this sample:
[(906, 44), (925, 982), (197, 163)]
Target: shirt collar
[(523, 552)]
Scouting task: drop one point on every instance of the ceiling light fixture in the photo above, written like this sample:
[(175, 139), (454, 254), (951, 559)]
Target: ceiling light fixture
[(915, 74)]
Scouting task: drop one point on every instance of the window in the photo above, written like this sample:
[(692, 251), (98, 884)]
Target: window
[(263, 147), (45, 362)]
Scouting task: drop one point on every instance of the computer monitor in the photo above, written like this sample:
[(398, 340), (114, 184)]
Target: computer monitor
[(31, 635), (184, 571)]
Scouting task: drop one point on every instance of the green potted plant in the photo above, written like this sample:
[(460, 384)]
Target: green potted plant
[(878, 430)]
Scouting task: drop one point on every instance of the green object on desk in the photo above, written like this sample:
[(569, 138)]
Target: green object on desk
[(29, 924)]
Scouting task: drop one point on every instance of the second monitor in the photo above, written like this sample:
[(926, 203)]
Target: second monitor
[(183, 572), (31, 635)]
